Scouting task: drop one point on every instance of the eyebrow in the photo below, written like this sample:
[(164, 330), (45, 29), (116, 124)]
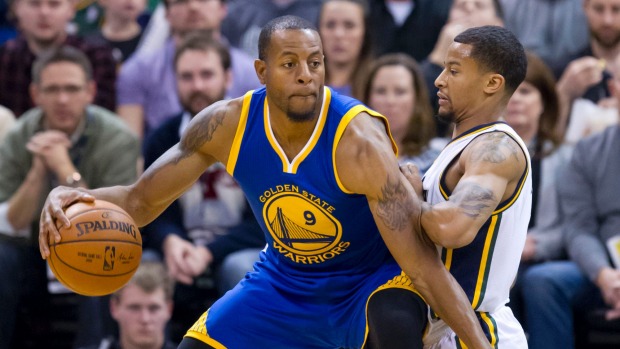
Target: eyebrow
[(291, 53)]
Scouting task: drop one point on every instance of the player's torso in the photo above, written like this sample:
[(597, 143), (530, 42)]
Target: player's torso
[(487, 266), (313, 228)]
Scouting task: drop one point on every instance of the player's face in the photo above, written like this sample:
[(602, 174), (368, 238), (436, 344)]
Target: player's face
[(127, 10), (342, 31), (63, 94), (44, 21), (604, 21), (141, 316), (524, 109), (460, 83), (293, 73), (392, 94), (188, 15), (201, 79)]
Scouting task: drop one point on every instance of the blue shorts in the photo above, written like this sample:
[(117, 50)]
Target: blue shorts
[(266, 310)]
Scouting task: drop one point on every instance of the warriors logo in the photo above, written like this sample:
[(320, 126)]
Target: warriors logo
[(302, 230)]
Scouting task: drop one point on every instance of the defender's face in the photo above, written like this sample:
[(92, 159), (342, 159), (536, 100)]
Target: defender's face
[(460, 83), (294, 73)]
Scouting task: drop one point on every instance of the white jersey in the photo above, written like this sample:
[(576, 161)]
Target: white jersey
[(487, 267)]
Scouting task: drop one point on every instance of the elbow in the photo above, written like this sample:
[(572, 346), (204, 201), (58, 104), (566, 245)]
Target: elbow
[(452, 241)]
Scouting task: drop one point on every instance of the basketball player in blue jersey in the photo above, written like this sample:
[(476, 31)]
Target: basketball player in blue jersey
[(478, 191), (321, 175)]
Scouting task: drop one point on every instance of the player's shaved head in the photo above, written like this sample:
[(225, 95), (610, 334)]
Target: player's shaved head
[(280, 23)]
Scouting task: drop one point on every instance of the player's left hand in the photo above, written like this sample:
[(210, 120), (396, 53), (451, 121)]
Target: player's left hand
[(412, 174)]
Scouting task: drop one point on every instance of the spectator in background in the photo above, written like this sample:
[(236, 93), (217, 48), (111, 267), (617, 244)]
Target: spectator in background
[(42, 26), (559, 292), (408, 26), (343, 26), (7, 29), (120, 28), (245, 19), (64, 141), (208, 237), (463, 14), (395, 88), (7, 119), (555, 30), (533, 111), (142, 308), (583, 85), (147, 99)]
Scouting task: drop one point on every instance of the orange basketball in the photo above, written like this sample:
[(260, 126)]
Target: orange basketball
[(99, 252)]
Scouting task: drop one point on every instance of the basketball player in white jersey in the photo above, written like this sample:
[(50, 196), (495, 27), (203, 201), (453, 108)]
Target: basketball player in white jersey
[(478, 192)]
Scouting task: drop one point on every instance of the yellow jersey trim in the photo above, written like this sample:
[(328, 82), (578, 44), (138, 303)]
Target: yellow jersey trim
[(199, 332), (344, 122), (492, 328), (236, 145), (488, 242), (448, 262), (291, 167)]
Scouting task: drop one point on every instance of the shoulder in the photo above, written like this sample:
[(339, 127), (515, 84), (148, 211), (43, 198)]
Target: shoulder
[(496, 149)]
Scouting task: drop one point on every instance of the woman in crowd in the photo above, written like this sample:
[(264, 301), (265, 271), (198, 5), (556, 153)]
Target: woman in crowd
[(533, 111), (395, 87), (347, 45)]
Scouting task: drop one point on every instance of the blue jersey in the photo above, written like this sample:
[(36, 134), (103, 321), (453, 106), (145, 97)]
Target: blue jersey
[(314, 227), (324, 257)]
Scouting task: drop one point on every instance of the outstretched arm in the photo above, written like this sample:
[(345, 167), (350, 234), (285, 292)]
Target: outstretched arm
[(207, 139), (367, 165)]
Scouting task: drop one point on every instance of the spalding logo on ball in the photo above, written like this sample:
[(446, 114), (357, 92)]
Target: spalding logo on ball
[(99, 252)]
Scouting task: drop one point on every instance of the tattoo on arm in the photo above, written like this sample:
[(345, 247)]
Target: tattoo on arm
[(495, 147), (472, 198), (200, 133), (394, 206)]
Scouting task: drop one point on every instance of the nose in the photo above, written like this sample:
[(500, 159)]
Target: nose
[(304, 77), (609, 18), (440, 81)]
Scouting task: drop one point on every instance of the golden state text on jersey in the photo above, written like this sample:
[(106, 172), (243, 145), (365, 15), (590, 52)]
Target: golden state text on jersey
[(310, 220)]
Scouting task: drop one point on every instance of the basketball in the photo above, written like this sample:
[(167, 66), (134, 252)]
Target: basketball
[(99, 252)]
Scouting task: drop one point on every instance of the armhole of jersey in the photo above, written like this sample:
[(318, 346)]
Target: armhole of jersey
[(236, 145), (342, 126), (508, 202)]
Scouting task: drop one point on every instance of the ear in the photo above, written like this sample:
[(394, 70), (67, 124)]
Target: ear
[(494, 83), (261, 70), (170, 307), (114, 308), (91, 89), (35, 93)]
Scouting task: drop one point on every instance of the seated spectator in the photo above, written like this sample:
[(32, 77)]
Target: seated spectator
[(141, 309), (560, 292), (395, 88), (7, 119), (533, 111), (587, 106), (246, 18), (64, 141), (120, 29), (463, 14), (209, 229), (7, 29), (556, 32), (343, 26), (18, 55), (147, 100), (407, 26)]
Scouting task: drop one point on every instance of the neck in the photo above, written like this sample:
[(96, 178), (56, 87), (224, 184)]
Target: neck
[(606, 53), (291, 135), (38, 46), (340, 73), (178, 36), (526, 133), (476, 118), (126, 344), (120, 29)]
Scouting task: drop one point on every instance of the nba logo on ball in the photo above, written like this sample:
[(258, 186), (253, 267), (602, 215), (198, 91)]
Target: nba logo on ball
[(108, 260), (99, 252)]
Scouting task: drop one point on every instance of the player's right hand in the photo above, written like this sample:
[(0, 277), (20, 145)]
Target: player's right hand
[(53, 214)]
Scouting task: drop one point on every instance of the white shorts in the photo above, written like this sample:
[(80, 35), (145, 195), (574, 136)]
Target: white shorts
[(506, 332)]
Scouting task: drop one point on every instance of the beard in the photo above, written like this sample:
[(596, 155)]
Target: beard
[(606, 42), (197, 101), (445, 118)]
